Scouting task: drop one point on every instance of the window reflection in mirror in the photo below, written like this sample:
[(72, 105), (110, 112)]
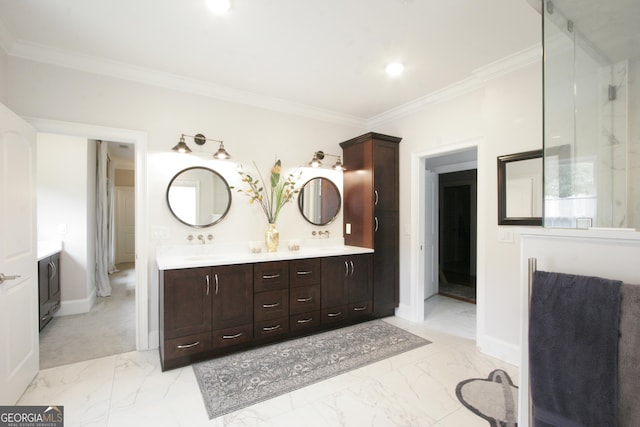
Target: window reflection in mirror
[(319, 201), (198, 197)]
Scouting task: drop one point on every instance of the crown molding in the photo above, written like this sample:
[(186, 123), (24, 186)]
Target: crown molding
[(119, 70), (477, 81), (76, 61)]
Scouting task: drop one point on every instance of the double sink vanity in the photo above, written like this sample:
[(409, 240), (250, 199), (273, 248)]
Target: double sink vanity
[(217, 299), (227, 300)]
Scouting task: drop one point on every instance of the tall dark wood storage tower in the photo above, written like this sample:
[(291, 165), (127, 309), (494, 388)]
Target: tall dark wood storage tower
[(371, 205)]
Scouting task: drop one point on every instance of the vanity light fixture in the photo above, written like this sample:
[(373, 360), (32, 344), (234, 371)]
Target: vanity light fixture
[(200, 139), (318, 156)]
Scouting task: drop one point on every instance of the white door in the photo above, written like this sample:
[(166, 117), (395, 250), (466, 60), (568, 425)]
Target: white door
[(125, 224), (19, 358), (431, 270)]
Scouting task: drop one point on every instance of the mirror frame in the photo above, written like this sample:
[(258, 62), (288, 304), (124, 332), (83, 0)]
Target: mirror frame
[(224, 214), (503, 219), (301, 199)]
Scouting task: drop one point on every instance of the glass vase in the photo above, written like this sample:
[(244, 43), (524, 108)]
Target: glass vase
[(272, 238)]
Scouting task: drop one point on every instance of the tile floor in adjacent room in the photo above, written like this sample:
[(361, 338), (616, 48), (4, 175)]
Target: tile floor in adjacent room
[(416, 388)]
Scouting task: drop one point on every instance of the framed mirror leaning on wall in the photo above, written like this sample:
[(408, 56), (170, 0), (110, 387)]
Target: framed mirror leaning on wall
[(319, 201), (520, 188), (198, 197)]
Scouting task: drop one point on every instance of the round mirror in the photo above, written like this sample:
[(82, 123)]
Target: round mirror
[(319, 201), (199, 197)]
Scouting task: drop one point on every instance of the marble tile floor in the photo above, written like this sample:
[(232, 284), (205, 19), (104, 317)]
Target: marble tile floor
[(416, 388)]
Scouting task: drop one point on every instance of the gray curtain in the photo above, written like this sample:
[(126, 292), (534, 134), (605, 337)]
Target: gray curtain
[(111, 197), (102, 224)]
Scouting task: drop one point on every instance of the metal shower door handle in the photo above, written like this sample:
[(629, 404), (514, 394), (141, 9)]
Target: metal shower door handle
[(3, 278)]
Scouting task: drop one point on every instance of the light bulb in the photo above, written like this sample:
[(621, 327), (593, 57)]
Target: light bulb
[(218, 6), (394, 69)]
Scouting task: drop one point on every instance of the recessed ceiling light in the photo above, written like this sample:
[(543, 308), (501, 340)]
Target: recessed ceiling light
[(394, 69), (218, 6)]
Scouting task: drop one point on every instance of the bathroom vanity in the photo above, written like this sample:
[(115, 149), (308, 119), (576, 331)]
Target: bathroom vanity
[(48, 281), (216, 303)]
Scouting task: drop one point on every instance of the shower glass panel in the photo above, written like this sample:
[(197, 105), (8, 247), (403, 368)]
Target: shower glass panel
[(591, 113)]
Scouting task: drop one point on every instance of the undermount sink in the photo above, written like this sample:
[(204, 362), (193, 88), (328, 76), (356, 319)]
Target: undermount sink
[(204, 257)]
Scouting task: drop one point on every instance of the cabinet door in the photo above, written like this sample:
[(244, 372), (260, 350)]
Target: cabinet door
[(334, 289), (360, 280), (187, 302), (232, 295), (386, 260), (54, 281), (385, 173), (43, 284)]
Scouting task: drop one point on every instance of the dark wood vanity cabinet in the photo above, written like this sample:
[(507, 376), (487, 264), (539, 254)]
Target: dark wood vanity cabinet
[(202, 309), (371, 210), (48, 288), (346, 288), (210, 311)]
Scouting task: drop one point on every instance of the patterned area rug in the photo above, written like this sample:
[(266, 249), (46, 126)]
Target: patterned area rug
[(494, 398), (233, 382)]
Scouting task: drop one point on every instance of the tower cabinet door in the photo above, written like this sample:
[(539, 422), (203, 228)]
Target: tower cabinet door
[(232, 295), (385, 175), (186, 302), (360, 280), (386, 264)]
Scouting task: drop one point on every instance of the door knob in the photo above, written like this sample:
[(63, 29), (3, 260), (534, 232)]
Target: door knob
[(3, 278)]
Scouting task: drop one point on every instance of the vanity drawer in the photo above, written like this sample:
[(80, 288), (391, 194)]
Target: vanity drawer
[(232, 336), (304, 321), (271, 328), (335, 314), (361, 311), (187, 346), (269, 276), (304, 299), (270, 305), (304, 272)]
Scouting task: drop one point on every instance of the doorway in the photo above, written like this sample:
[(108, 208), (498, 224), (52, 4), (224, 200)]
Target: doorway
[(429, 167), (88, 325), (139, 141), (457, 235)]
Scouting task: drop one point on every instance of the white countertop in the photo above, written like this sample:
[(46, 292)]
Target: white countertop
[(190, 256), (48, 248)]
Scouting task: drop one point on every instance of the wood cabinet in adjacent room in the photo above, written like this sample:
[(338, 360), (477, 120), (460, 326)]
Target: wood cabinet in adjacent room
[(48, 287), (371, 210)]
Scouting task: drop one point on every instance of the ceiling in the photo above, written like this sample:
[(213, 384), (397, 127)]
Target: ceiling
[(327, 55)]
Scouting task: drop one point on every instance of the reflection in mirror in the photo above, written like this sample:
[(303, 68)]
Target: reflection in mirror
[(319, 201), (520, 188), (198, 197), (591, 79)]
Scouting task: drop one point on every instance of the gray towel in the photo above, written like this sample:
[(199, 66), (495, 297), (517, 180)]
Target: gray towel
[(573, 350), (629, 357)]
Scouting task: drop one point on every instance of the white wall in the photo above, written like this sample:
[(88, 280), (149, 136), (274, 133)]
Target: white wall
[(4, 60), (506, 116), (48, 92), (66, 182)]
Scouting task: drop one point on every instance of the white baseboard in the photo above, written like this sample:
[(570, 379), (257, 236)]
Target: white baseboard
[(154, 340), (404, 311), (499, 349), (77, 306)]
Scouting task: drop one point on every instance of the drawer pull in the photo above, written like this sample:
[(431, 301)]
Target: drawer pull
[(303, 273), (305, 320), (182, 347), (275, 304), (231, 337), (271, 328), (334, 314), (364, 307), (270, 276), (304, 299)]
